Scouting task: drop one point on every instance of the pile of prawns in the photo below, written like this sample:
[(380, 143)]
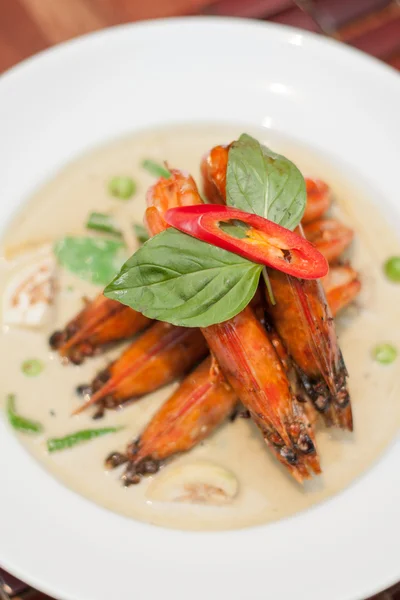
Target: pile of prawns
[(278, 363)]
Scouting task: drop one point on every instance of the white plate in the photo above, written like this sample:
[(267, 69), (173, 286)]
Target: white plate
[(55, 106)]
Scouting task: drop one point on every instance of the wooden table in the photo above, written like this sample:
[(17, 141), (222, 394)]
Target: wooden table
[(28, 26)]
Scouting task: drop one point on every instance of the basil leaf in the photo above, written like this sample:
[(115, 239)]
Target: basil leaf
[(94, 259), (265, 183), (178, 279)]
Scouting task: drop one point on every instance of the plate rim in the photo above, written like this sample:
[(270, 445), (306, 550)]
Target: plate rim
[(162, 22)]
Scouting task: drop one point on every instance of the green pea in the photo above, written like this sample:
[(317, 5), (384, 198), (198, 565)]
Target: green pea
[(392, 268), (122, 187), (384, 353), (32, 367)]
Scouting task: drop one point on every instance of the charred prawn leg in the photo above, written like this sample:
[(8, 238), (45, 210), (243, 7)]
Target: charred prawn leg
[(159, 356), (300, 314), (100, 323), (201, 403), (250, 364)]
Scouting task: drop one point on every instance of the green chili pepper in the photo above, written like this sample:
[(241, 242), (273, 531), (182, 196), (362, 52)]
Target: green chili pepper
[(32, 367), (155, 169), (20, 423), (54, 444), (122, 187)]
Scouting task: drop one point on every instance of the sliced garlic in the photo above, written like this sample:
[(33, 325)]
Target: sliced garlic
[(29, 293), (198, 483)]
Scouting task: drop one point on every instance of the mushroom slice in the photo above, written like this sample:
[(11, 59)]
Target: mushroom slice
[(200, 482), (29, 293)]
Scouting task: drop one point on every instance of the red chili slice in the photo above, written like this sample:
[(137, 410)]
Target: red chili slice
[(261, 241)]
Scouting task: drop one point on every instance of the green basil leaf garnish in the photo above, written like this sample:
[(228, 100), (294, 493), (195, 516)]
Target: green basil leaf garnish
[(181, 280), (94, 259), (54, 444), (265, 183), (17, 421)]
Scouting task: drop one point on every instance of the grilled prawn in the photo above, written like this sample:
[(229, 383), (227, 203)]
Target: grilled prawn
[(159, 356), (202, 402), (300, 313), (99, 324), (249, 362)]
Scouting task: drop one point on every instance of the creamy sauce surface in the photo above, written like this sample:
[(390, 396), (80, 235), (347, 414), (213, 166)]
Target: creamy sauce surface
[(266, 492)]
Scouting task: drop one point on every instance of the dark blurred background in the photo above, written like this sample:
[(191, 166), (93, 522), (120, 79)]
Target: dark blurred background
[(28, 26)]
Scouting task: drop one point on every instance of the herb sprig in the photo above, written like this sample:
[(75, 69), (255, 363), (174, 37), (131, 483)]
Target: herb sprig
[(184, 281), (72, 439), (19, 422)]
